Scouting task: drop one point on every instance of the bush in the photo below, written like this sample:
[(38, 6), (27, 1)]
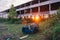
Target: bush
[(53, 23), (58, 13), (11, 21), (2, 20), (14, 21), (48, 23)]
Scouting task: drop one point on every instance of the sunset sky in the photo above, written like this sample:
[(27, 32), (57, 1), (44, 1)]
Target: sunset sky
[(5, 4)]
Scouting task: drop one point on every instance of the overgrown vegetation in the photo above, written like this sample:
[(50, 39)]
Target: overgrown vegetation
[(12, 17), (49, 29), (2, 20)]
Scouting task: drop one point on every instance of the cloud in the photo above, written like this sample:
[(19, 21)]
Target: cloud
[(5, 4)]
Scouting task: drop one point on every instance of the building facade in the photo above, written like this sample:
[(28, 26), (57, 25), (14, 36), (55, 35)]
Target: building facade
[(38, 7)]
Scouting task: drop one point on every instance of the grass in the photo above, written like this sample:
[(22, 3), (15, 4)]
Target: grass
[(13, 29), (16, 29)]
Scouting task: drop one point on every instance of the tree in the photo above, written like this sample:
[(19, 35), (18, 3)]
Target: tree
[(12, 12)]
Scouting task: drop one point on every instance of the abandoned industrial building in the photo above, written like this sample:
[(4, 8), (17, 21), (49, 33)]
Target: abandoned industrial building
[(35, 7)]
